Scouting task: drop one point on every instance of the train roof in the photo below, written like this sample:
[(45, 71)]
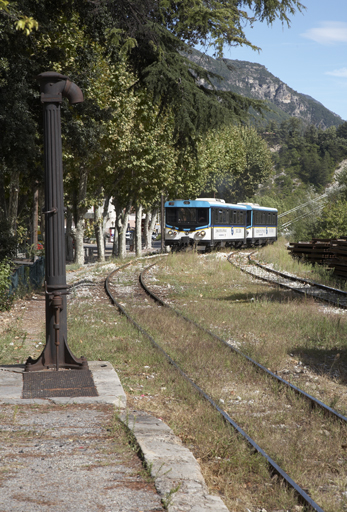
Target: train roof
[(202, 202), (255, 206)]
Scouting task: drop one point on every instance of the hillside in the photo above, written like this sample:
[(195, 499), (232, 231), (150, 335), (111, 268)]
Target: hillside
[(255, 81)]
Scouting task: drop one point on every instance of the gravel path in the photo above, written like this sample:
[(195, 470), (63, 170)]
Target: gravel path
[(72, 459)]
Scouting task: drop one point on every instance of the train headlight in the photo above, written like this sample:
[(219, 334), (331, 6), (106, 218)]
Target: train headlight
[(172, 233), (202, 233)]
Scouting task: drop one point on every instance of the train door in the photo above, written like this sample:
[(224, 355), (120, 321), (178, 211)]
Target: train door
[(214, 216)]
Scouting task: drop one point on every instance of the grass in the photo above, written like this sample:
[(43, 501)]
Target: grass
[(12, 346), (152, 384), (284, 333), (206, 288), (281, 258), (280, 325)]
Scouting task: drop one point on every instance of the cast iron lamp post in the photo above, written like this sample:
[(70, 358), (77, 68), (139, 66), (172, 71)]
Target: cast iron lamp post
[(56, 353)]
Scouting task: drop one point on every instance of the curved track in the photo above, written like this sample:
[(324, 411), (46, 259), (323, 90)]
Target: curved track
[(303, 497), (313, 401), (306, 287)]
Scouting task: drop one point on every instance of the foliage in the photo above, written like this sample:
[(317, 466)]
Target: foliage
[(20, 21), (305, 159), (5, 274), (235, 160), (334, 216), (163, 30), (334, 220), (342, 131), (8, 242), (144, 108), (306, 152)]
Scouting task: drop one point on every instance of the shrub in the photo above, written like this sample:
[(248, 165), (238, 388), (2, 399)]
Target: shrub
[(5, 274), (8, 242)]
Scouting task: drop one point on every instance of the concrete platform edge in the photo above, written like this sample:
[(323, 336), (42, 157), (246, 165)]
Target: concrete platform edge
[(176, 472)]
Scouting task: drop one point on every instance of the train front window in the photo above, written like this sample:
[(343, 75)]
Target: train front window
[(187, 217)]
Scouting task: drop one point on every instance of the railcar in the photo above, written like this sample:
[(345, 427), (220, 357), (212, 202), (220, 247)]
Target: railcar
[(261, 224), (204, 223), (207, 223)]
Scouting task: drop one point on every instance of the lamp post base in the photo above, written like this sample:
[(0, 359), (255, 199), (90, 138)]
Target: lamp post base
[(46, 362)]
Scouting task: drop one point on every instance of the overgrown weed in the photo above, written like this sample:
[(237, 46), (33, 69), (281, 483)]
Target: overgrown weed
[(280, 257)]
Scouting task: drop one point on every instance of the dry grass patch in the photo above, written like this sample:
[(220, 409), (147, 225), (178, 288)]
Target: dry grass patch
[(278, 331), (229, 467), (278, 255), (281, 331)]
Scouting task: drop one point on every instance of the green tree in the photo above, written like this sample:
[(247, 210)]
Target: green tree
[(342, 130), (83, 39), (163, 30), (234, 161), (334, 219)]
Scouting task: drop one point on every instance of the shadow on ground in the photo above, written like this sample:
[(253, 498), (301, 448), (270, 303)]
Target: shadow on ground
[(279, 296), (331, 363)]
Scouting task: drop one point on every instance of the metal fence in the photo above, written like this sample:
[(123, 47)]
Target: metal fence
[(28, 275)]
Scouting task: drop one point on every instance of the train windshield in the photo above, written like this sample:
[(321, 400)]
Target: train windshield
[(187, 217)]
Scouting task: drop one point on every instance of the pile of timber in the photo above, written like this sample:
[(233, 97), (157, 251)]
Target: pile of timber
[(329, 252)]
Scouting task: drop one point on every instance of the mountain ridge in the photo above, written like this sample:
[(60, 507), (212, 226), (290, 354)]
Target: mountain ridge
[(254, 81)]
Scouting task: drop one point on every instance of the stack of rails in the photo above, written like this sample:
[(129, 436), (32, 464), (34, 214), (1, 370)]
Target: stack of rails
[(339, 261), (316, 251), (328, 252)]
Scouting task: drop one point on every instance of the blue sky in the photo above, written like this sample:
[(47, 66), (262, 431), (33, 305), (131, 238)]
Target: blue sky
[(310, 56)]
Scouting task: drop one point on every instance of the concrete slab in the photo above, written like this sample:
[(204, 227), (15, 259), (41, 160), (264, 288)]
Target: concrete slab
[(176, 472), (105, 378)]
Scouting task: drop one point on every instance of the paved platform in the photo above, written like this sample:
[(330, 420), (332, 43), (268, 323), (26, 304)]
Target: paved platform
[(38, 470), (105, 378)]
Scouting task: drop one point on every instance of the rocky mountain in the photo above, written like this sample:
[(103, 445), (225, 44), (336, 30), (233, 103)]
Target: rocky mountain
[(255, 81)]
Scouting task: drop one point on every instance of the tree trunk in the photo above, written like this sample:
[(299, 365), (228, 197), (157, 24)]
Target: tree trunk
[(121, 237), (99, 232), (105, 216), (146, 230), (162, 223), (152, 224), (13, 202), (79, 233), (122, 224), (138, 231), (115, 247), (35, 221), (150, 221), (80, 210), (68, 236)]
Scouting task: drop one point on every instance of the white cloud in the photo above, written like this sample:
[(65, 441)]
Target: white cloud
[(329, 33), (342, 72)]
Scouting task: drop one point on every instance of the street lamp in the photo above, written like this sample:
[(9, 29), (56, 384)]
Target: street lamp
[(56, 353)]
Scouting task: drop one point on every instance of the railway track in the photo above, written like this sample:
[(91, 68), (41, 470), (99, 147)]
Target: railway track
[(303, 496), (305, 287)]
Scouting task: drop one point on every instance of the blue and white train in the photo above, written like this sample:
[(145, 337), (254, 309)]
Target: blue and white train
[(207, 223)]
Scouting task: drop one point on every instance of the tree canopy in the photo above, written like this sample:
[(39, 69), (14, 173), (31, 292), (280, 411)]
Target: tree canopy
[(145, 102), (161, 30), (155, 33), (234, 160)]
